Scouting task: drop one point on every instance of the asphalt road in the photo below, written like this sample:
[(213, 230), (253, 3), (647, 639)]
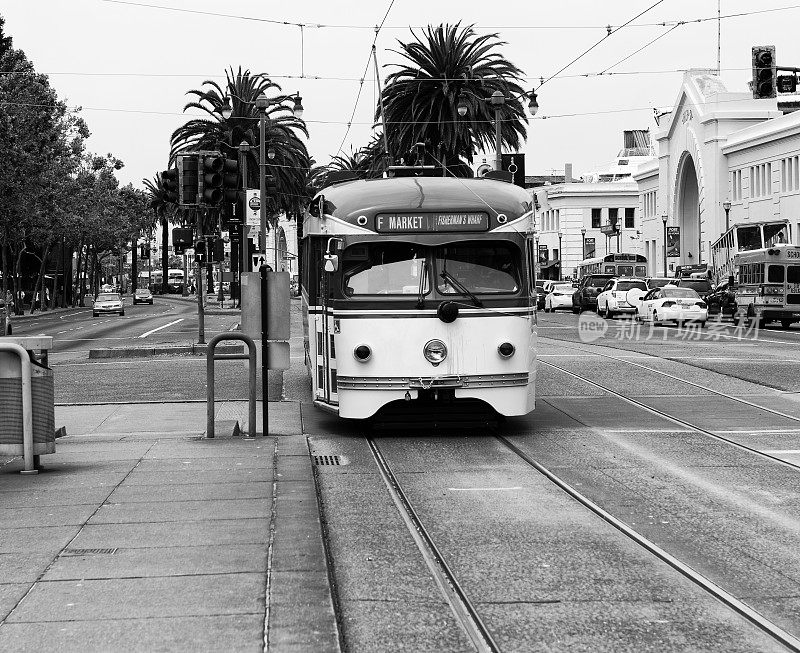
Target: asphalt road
[(169, 322), (703, 477)]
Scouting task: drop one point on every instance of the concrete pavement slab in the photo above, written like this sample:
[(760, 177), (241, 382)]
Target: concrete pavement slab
[(22, 567), (159, 561), (45, 516), (181, 511), (207, 633), (128, 598), (219, 532), (128, 493), (10, 595), (195, 475), (37, 539)]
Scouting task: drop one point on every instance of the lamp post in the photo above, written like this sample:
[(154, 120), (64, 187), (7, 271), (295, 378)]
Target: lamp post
[(262, 102), (244, 149), (664, 218), (498, 100), (727, 206), (583, 243), (560, 257)]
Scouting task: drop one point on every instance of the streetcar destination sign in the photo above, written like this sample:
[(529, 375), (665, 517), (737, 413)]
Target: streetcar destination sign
[(427, 222)]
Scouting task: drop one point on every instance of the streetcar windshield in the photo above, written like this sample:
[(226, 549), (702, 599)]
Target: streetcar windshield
[(385, 269), (479, 267)]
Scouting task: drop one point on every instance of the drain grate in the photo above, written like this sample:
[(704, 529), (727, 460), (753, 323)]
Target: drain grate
[(327, 460), (87, 552)]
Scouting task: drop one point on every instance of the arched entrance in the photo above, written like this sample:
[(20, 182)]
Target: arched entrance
[(688, 212)]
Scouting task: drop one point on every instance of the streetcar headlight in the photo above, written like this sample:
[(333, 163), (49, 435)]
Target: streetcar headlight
[(435, 351), (362, 353), (506, 350)]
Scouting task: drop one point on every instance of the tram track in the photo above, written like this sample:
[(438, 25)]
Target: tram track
[(465, 612), (677, 420)]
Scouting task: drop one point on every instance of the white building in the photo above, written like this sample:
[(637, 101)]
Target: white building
[(713, 146)]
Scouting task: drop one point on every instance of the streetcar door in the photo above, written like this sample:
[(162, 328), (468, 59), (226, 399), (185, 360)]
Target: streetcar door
[(326, 351)]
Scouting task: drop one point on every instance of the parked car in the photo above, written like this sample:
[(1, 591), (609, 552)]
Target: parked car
[(585, 297), (142, 296), (721, 300), (620, 295), (108, 302), (560, 296), (672, 303)]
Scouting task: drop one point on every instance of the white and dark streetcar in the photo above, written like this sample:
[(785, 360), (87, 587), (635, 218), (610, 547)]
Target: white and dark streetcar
[(418, 295)]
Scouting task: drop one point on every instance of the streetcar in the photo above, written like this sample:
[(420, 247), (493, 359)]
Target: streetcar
[(619, 264), (767, 285), (418, 294)]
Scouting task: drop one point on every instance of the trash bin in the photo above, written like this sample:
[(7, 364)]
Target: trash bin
[(11, 423)]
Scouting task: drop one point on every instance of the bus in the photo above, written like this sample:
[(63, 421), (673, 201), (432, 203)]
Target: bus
[(767, 285), (152, 280), (742, 238), (418, 297), (620, 265)]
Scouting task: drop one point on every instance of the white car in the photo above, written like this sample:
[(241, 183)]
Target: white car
[(620, 295), (560, 296), (672, 303), (108, 303)]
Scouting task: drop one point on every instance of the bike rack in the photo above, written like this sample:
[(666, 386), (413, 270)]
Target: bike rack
[(249, 356), (27, 404)]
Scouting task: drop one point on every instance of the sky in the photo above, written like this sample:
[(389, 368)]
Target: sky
[(129, 63)]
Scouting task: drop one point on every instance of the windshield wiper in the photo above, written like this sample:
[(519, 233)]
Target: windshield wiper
[(449, 278), (421, 292)]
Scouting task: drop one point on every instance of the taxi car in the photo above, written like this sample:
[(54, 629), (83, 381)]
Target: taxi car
[(108, 302), (672, 304), (620, 295), (560, 296)]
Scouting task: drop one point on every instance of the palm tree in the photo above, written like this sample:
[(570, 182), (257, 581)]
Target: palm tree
[(446, 65), (165, 212), (216, 132)]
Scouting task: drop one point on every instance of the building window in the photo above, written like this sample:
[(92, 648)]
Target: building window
[(612, 216), (789, 175), (736, 185), (558, 220), (629, 213), (761, 180), (596, 217)]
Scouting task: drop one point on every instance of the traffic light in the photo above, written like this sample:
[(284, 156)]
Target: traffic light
[(200, 249), (219, 250), (212, 179), (169, 179), (182, 237), (230, 180), (145, 252), (272, 185), (188, 165), (764, 74)]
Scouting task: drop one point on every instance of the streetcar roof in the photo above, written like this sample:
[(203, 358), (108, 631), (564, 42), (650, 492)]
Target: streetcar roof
[(347, 201)]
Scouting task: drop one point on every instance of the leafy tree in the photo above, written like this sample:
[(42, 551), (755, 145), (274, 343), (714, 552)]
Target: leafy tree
[(164, 212), (282, 134), (446, 64)]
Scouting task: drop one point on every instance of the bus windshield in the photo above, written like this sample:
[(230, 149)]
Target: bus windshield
[(480, 267), (384, 269)]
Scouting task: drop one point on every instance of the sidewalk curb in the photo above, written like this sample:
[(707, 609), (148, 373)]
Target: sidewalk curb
[(144, 352)]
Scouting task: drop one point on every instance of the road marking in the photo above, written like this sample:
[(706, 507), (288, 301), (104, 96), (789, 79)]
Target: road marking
[(144, 335), (484, 489), (783, 452)]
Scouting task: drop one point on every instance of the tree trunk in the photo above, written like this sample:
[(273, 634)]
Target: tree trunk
[(18, 278), (164, 256), (38, 287), (134, 262), (77, 295)]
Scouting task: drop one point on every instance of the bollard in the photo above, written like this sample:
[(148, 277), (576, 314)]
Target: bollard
[(210, 358), (27, 405)]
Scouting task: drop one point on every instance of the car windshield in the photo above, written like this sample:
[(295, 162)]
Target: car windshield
[(680, 292), (597, 282), (659, 283), (142, 291), (384, 269), (108, 297), (481, 268), (562, 287), (630, 285)]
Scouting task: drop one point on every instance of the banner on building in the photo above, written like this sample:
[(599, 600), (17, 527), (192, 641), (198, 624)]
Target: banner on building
[(588, 248), (673, 242)]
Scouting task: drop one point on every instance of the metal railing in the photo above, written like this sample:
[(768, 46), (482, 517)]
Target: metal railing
[(249, 356)]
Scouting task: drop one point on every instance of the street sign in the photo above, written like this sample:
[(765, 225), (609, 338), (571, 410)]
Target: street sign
[(253, 217), (609, 230), (257, 259)]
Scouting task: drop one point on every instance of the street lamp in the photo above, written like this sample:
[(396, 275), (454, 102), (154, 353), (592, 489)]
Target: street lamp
[(560, 257), (498, 100), (727, 206), (262, 102), (583, 243), (664, 218)]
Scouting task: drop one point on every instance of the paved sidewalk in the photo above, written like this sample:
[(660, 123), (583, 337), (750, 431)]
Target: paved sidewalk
[(141, 535)]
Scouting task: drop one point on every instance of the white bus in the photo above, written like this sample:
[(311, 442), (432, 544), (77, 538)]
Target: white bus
[(620, 265)]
